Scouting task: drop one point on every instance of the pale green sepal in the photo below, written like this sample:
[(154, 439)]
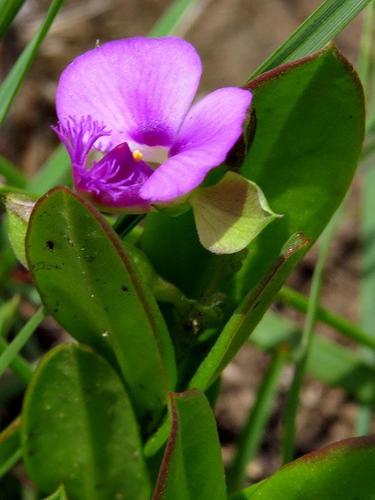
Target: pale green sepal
[(230, 214), (19, 208)]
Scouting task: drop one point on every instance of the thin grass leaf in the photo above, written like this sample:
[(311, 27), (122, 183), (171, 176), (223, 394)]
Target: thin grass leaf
[(19, 365), (252, 432), (14, 79), (8, 11), (365, 52), (55, 171), (173, 17), (10, 451), (8, 314), (298, 301), (287, 444), (11, 462), (315, 32), (8, 356), (329, 362), (364, 417), (11, 173)]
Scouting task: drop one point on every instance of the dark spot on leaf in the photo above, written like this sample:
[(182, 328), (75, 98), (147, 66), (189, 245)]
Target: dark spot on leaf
[(89, 258), (50, 245), (124, 288)]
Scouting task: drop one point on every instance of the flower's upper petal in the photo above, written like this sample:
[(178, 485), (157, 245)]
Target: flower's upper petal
[(139, 88), (208, 132), (115, 180)]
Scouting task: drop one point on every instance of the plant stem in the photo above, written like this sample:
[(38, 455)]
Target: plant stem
[(12, 460), (253, 430), (20, 340), (365, 51), (125, 223), (292, 402), (19, 365), (298, 301)]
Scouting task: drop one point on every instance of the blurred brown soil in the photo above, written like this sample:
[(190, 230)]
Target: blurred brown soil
[(233, 37)]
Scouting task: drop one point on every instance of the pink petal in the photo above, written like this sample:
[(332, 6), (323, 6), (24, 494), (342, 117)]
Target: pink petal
[(208, 132), (139, 88)]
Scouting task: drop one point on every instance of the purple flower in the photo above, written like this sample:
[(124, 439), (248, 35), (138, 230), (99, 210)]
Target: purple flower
[(130, 101)]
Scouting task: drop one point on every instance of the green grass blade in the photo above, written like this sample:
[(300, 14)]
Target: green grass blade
[(8, 314), (364, 417), (365, 52), (20, 340), (19, 365), (298, 301), (329, 362), (12, 460), (55, 171), (9, 445), (11, 173), (173, 17), (292, 402), (8, 11), (12, 82), (253, 430), (317, 30)]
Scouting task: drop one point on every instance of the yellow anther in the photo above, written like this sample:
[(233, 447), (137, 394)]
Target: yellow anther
[(137, 155)]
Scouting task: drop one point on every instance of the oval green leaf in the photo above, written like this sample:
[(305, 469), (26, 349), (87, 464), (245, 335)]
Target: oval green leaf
[(307, 143), (344, 470), (192, 468), (78, 428), (89, 283)]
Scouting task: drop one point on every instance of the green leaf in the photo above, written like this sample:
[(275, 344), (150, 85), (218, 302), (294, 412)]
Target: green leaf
[(192, 468), (247, 315), (173, 247), (230, 214), (78, 428), (12, 82), (19, 208), (8, 11), (308, 138), (327, 21), (344, 470), (89, 283)]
